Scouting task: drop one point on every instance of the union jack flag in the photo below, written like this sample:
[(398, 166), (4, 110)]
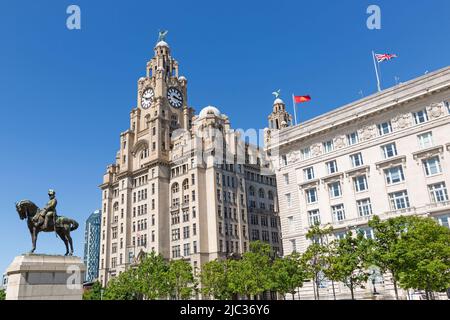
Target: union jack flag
[(384, 56)]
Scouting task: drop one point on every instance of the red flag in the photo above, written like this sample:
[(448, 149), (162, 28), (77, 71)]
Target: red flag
[(300, 99)]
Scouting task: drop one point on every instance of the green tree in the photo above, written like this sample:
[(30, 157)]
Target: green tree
[(214, 279), (288, 274), (181, 280), (2, 295), (349, 260), (423, 252), (315, 258), (152, 277), (123, 287), (387, 234), (251, 275), (95, 293)]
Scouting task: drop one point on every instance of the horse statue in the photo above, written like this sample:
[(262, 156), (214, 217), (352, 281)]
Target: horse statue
[(62, 225)]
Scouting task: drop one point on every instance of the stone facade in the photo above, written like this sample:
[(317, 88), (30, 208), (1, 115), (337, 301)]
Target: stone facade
[(45, 277), (387, 154), (182, 185)]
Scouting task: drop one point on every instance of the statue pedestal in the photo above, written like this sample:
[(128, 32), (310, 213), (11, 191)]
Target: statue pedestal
[(45, 277)]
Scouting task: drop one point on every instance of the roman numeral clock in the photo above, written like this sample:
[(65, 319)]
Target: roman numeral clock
[(175, 97)]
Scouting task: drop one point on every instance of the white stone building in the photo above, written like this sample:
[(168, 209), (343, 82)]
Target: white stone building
[(182, 185), (387, 154)]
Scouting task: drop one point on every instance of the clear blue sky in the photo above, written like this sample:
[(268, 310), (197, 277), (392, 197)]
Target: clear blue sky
[(66, 95)]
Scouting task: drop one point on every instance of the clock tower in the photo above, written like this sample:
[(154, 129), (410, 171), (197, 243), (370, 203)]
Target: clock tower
[(162, 104)]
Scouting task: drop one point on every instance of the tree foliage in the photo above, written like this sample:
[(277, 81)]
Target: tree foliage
[(215, 280), (95, 293), (2, 295), (181, 281), (288, 274), (349, 261), (423, 254)]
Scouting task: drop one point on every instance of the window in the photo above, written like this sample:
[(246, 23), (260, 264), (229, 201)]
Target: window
[(175, 234), (425, 140), (332, 167), (175, 251), (286, 178), (288, 200), (361, 183), (284, 161), (308, 173), (338, 212), (340, 235), (293, 245), (364, 207), (291, 226), (444, 220), (311, 195), (306, 153), (335, 189), (357, 160), (352, 138), (432, 166), (186, 249), (447, 105), (399, 200), (438, 192), (328, 146), (384, 128), (420, 116), (389, 150), (394, 175), (367, 233), (186, 232), (314, 217)]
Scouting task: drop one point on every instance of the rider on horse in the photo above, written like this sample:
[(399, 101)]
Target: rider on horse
[(49, 211)]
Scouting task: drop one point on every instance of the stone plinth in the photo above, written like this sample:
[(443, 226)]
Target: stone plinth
[(45, 277)]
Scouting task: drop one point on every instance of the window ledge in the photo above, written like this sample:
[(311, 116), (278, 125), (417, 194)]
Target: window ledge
[(428, 152)]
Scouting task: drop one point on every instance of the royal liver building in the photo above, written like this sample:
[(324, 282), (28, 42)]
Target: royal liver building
[(183, 185)]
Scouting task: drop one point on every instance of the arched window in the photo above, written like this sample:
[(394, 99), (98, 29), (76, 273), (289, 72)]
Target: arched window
[(175, 187), (270, 195), (185, 184), (116, 206), (262, 194), (252, 191)]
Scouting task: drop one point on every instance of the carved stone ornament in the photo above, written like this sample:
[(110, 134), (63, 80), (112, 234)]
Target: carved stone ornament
[(367, 132), (293, 156), (315, 149), (435, 110), (401, 121), (339, 142)]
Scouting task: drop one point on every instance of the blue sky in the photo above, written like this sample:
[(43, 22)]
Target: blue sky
[(66, 95)]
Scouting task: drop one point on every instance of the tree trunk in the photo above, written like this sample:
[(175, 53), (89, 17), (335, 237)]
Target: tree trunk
[(395, 285), (334, 291), (351, 289), (317, 287)]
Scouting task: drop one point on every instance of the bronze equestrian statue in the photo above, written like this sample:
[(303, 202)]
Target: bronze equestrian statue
[(46, 220)]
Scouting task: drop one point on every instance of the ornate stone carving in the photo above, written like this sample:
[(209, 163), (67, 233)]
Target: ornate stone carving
[(401, 121), (293, 156), (315, 149), (435, 110), (339, 142), (366, 133)]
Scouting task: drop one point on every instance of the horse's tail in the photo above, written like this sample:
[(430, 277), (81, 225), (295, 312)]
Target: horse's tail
[(74, 225)]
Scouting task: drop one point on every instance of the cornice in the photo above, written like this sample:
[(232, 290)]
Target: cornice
[(368, 107)]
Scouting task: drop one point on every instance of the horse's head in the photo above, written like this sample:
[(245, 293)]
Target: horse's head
[(25, 208), (20, 208)]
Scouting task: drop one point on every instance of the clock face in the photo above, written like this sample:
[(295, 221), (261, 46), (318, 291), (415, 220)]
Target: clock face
[(175, 97), (147, 98)]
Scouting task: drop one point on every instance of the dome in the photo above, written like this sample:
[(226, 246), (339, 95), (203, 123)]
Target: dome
[(182, 78), (277, 101), (162, 44), (209, 110)]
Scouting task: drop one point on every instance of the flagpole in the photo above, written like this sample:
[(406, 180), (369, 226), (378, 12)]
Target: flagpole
[(376, 72), (295, 109)]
